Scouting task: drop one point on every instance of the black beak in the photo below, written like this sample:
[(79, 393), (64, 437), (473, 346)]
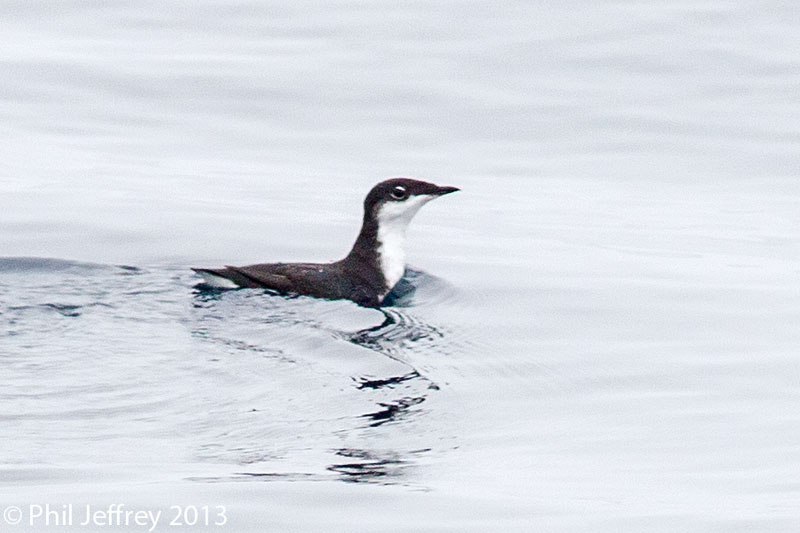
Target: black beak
[(441, 191)]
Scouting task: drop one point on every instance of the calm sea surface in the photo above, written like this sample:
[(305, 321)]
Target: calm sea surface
[(605, 332)]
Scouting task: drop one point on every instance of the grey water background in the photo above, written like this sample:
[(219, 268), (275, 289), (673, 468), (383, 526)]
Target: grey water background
[(604, 332)]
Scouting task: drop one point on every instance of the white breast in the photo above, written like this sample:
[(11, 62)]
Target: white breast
[(392, 254), (393, 219)]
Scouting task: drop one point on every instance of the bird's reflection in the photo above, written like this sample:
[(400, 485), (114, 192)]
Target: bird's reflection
[(398, 333), (392, 411), (244, 320), (367, 383), (367, 466)]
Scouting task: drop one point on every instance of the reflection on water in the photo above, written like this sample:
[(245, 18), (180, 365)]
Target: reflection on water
[(364, 466), (367, 383), (258, 321), (279, 384), (394, 411), (353, 466)]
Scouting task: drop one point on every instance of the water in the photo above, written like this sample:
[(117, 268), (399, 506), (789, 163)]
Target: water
[(604, 330)]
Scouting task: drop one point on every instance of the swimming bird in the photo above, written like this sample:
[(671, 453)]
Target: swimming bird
[(368, 273)]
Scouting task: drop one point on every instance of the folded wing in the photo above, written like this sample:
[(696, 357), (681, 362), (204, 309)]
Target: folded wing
[(280, 277)]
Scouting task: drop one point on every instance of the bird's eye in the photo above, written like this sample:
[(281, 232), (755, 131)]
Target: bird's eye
[(399, 192)]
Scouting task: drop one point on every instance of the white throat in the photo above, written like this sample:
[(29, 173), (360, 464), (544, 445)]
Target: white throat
[(393, 219)]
